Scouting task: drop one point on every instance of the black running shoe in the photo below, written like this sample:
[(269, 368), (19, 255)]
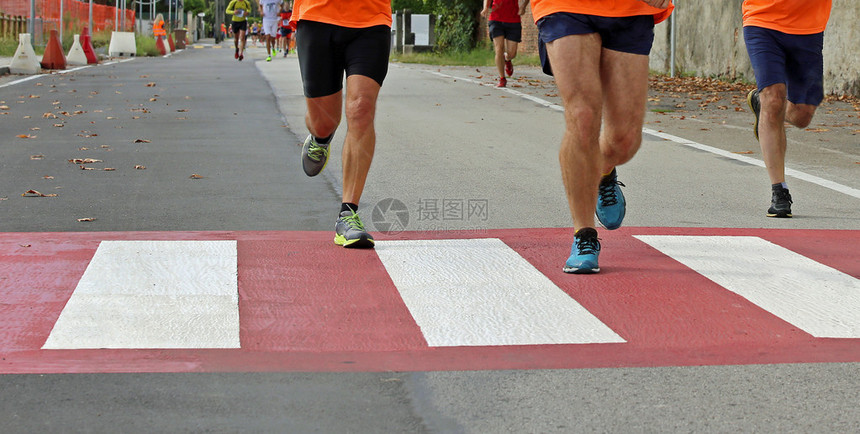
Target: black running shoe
[(755, 106), (780, 203)]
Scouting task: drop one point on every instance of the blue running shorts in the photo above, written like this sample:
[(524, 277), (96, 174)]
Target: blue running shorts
[(795, 60), (633, 35)]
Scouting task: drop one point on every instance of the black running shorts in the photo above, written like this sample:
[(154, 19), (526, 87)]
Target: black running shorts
[(327, 51)]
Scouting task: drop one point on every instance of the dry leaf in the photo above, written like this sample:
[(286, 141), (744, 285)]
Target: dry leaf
[(26, 136), (108, 169), (141, 141), (139, 167), (47, 177), (49, 115), (84, 160), (25, 245), (34, 193), (86, 168), (150, 84), (817, 130), (37, 157), (196, 176), (59, 125), (87, 219)]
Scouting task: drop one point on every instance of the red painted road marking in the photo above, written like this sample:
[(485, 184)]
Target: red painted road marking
[(305, 307)]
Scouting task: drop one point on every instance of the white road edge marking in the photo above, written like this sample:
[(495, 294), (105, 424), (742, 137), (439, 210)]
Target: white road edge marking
[(818, 299), (480, 292), (154, 294)]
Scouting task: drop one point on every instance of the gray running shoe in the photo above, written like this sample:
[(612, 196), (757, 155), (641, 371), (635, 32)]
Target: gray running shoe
[(314, 156), (349, 232), (780, 203), (755, 106)]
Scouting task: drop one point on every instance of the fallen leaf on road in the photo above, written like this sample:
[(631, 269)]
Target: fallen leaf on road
[(817, 130), (49, 115), (34, 193), (108, 169), (84, 160), (140, 167), (86, 168), (47, 177), (196, 176), (59, 125), (37, 157), (150, 84), (87, 219), (26, 136)]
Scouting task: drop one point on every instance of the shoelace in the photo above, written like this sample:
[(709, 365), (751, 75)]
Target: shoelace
[(607, 192), (783, 196), (587, 246), (354, 222), (316, 152)]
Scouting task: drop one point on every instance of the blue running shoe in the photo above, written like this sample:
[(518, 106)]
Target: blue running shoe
[(583, 253), (611, 206)]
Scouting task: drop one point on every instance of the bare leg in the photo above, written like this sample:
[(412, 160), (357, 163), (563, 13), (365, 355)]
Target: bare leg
[(323, 115), (499, 47), (625, 92), (360, 141), (771, 130), (576, 65)]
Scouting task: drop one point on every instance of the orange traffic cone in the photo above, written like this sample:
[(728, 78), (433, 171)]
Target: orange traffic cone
[(160, 45), (54, 57), (170, 43), (87, 45)]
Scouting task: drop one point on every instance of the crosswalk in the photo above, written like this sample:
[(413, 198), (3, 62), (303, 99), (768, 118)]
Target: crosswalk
[(214, 301)]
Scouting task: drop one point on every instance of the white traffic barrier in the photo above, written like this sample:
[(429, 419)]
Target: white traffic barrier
[(76, 54), (122, 44), (24, 61)]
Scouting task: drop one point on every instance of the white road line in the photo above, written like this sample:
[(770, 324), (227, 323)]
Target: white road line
[(478, 292), (154, 294), (788, 171), (811, 296), (844, 189)]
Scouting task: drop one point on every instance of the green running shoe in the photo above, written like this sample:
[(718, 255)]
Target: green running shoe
[(349, 232), (314, 156)]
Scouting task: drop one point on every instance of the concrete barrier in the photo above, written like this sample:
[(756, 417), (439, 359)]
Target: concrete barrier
[(122, 44), (24, 61), (76, 54)]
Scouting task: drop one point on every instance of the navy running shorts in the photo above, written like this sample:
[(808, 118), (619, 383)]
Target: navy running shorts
[(510, 31), (326, 51), (795, 60), (633, 35)]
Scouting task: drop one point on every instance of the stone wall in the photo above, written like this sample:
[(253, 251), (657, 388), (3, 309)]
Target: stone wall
[(710, 42)]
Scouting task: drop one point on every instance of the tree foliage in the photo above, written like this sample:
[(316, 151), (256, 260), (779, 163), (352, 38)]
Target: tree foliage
[(456, 24)]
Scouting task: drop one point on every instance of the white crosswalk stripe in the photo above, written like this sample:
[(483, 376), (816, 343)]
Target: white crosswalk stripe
[(153, 294), (481, 292), (811, 296)]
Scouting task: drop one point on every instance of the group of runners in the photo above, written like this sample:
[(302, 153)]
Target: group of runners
[(597, 51), (276, 29)]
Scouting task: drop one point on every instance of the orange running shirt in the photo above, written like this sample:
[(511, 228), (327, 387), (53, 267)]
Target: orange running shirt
[(601, 8), (345, 13), (795, 17)]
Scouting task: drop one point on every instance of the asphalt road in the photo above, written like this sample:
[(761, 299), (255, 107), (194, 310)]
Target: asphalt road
[(443, 133)]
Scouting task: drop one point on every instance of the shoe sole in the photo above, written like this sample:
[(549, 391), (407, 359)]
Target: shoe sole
[(571, 270), (750, 103), (780, 215), (359, 243)]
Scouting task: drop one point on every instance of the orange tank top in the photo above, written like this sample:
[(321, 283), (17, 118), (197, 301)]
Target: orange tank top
[(795, 17), (601, 8), (349, 13)]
